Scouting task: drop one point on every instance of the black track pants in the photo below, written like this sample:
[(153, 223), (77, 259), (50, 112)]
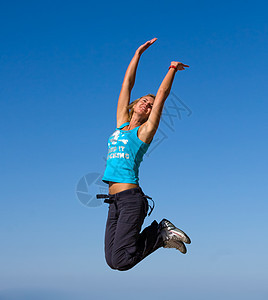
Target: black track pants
[(125, 246)]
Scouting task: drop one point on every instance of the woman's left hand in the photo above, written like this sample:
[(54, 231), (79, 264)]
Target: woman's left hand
[(179, 66)]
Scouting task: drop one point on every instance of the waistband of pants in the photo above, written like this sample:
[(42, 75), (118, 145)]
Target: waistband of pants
[(131, 191), (110, 198)]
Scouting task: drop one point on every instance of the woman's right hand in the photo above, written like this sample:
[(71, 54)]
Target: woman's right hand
[(145, 46)]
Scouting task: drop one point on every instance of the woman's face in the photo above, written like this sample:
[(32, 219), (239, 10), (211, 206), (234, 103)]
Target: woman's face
[(144, 106)]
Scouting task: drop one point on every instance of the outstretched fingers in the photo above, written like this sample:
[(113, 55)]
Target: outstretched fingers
[(146, 45), (181, 66), (153, 40)]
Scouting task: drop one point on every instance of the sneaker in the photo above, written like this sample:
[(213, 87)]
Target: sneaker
[(170, 232), (173, 237), (172, 243)]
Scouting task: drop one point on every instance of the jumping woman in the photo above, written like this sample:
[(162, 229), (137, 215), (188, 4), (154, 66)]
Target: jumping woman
[(137, 124)]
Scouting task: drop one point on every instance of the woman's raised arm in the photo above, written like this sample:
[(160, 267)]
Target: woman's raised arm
[(161, 96), (128, 83)]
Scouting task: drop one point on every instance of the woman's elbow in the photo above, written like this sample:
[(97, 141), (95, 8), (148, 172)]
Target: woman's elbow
[(163, 93)]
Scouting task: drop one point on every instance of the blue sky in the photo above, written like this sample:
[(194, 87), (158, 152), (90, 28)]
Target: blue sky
[(62, 65)]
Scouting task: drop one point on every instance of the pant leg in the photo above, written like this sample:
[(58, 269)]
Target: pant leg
[(128, 245), (111, 225)]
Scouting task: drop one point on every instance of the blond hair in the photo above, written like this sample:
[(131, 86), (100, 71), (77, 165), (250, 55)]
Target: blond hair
[(131, 105)]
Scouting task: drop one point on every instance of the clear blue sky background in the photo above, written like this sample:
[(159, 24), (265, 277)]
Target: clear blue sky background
[(62, 65)]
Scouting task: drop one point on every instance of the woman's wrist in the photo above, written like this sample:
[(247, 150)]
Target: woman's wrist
[(137, 53), (172, 67)]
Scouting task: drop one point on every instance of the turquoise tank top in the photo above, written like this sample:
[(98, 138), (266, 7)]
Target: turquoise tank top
[(125, 153)]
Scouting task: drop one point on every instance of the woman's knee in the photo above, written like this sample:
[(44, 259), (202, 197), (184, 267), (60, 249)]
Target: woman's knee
[(122, 264), (109, 262), (122, 267), (117, 266), (126, 268)]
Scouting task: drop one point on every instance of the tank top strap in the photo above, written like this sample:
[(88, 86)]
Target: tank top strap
[(123, 125)]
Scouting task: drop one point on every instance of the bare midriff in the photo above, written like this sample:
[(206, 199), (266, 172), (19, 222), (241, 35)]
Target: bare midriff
[(117, 187)]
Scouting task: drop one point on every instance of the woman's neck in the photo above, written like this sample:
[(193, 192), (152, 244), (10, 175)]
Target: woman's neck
[(134, 122)]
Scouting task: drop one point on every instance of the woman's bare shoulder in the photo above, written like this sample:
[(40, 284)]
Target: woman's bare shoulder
[(145, 133)]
